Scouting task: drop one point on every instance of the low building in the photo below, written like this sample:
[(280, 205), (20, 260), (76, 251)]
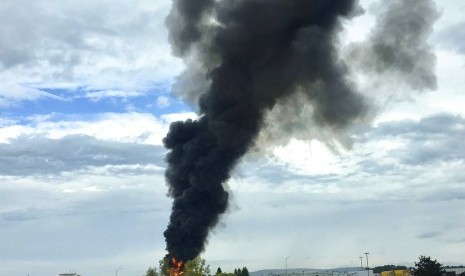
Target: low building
[(303, 272), (457, 270)]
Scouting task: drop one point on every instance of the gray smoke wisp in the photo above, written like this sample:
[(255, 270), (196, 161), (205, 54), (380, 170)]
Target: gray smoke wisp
[(398, 44), (253, 53)]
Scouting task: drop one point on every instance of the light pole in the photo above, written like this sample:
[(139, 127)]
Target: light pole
[(361, 264), (286, 263), (116, 271), (368, 267)]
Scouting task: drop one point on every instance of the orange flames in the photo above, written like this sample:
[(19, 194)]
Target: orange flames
[(176, 267)]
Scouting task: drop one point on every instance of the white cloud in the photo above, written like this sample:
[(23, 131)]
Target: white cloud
[(13, 131), (30, 155), (173, 117), (124, 219), (109, 45), (122, 127), (98, 95), (163, 101), (310, 208), (11, 92), (307, 157)]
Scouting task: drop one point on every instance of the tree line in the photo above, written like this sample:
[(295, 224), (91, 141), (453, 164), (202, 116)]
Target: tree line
[(424, 267), (195, 267), (198, 267)]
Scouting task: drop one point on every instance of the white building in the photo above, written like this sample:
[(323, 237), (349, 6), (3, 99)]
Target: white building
[(457, 270), (319, 272)]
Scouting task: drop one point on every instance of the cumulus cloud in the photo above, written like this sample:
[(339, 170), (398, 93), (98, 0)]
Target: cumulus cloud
[(123, 127), (85, 221), (108, 45), (40, 155), (431, 140), (118, 195), (395, 160), (88, 210)]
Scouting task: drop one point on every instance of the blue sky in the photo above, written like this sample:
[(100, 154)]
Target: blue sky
[(156, 100), (86, 98)]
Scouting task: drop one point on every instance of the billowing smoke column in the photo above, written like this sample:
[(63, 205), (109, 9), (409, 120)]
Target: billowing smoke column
[(253, 53)]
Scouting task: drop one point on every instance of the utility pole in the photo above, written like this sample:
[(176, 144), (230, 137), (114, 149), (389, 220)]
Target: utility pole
[(368, 267), (361, 263), (286, 263)]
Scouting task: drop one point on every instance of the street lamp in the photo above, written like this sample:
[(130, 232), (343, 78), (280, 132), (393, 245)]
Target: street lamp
[(286, 263), (116, 271), (368, 267), (361, 264)]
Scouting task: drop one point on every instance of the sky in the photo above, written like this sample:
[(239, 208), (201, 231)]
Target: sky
[(86, 99)]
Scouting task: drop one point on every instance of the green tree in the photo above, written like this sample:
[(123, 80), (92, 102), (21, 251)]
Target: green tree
[(163, 267), (382, 268), (196, 267), (427, 267), (219, 271), (225, 274), (151, 272), (245, 271)]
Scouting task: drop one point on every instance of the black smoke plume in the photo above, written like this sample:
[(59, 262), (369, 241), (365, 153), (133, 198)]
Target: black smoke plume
[(253, 53)]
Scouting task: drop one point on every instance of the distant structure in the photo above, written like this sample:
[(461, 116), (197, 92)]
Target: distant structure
[(449, 271), (69, 274), (324, 273), (312, 272), (456, 270), (396, 273)]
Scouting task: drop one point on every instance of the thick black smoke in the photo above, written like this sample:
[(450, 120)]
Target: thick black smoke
[(253, 53)]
